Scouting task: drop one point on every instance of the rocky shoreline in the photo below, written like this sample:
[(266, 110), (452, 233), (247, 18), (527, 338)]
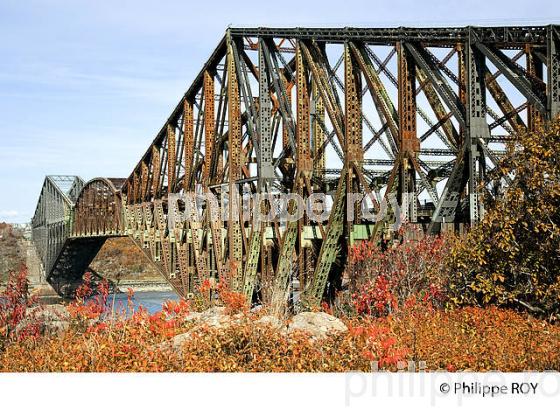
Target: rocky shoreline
[(144, 286)]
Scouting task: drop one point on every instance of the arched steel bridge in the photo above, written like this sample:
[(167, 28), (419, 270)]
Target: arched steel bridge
[(419, 113)]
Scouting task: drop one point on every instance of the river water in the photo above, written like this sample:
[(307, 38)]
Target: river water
[(152, 301)]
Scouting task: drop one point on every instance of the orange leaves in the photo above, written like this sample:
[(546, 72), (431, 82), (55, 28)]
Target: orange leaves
[(462, 339), (87, 311), (378, 342), (177, 308), (97, 328), (91, 302), (480, 339), (85, 290), (205, 286), (234, 302)]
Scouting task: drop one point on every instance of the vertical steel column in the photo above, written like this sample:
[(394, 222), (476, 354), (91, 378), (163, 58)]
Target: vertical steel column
[(303, 155), (462, 77), (209, 123), (534, 68), (144, 181), (353, 101), (156, 170), (353, 147), (304, 166), (188, 141), (161, 222), (187, 263), (266, 169), (476, 125), (171, 158), (409, 144), (234, 147), (213, 218), (318, 136), (285, 126), (553, 70)]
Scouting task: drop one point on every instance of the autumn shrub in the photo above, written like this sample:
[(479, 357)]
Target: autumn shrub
[(234, 302), (90, 304), (106, 346), (16, 322), (512, 258), (211, 293), (480, 339), (469, 338), (126, 340), (411, 269)]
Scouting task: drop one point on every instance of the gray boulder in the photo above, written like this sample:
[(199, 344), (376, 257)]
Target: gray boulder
[(316, 324), (271, 321)]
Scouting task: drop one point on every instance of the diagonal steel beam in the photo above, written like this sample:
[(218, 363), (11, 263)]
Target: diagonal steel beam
[(434, 75), (516, 76)]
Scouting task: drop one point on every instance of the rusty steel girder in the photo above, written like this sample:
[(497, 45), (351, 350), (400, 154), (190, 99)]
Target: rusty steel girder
[(414, 115)]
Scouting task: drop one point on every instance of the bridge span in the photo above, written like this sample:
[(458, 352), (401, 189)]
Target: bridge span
[(416, 116)]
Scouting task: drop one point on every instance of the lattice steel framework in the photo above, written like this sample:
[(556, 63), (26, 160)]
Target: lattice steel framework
[(418, 114), (53, 214)]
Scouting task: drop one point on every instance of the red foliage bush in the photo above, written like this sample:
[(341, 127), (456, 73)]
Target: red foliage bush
[(15, 322), (91, 301), (379, 344), (409, 270), (234, 302), (211, 293)]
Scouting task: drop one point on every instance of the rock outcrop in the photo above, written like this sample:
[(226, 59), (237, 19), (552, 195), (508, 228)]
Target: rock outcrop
[(271, 321), (316, 324)]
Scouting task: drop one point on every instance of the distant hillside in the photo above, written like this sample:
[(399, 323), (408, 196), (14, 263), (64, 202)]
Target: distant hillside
[(11, 254), (120, 257)]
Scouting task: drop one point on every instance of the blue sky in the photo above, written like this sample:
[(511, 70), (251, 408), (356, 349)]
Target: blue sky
[(85, 85)]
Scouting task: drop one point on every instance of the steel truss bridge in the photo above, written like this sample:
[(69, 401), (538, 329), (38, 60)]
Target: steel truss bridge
[(419, 113)]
